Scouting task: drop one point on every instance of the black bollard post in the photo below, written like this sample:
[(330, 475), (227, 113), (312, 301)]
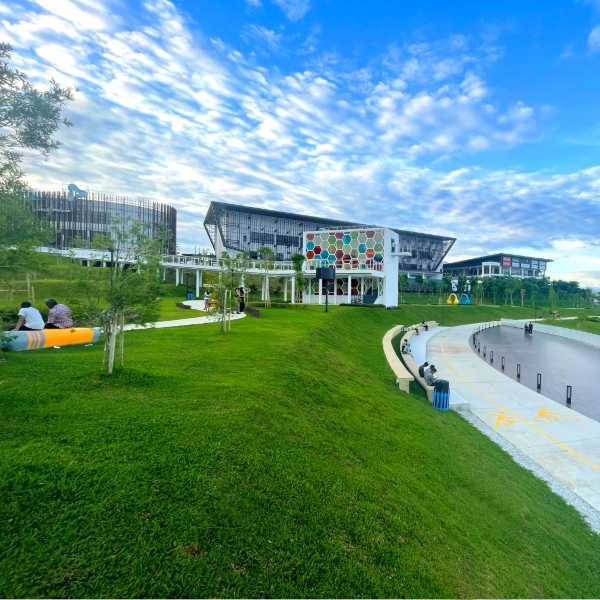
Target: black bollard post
[(539, 381), (479, 347), (568, 396), (491, 357), (484, 352), (518, 371)]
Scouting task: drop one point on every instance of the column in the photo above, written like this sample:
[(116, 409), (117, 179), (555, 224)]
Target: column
[(320, 282), (262, 290), (349, 289), (164, 274), (293, 290), (198, 282), (285, 290)]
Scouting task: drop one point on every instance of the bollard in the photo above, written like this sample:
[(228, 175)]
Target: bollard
[(568, 396), (539, 381), (518, 371), (503, 363), (491, 357), (479, 347), (484, 352)]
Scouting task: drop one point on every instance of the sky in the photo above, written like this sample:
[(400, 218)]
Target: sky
[(477, 120)]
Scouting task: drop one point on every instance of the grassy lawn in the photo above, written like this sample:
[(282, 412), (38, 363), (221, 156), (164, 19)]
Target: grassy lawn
[(278, 460), (584, 323)]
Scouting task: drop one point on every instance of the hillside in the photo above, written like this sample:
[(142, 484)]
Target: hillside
[(278, 460)]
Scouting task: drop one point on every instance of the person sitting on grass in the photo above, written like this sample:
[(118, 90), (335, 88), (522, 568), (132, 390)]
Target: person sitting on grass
[(59, 316), (430, 378), (30, 318)]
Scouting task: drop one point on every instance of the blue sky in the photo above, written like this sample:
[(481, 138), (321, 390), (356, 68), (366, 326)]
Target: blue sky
[(460, 118)]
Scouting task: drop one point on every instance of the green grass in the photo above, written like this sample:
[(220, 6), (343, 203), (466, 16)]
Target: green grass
[(583, 323), (278, 460)]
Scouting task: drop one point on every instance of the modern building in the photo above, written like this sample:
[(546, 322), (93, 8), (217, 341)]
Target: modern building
[(234, 228), (499, 265), (80, 217)]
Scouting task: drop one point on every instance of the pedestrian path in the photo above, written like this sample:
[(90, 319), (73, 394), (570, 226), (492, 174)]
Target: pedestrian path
[(564, 443), (196, 305)]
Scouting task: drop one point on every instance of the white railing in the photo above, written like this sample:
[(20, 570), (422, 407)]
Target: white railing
[(341, 265), (222, 264)]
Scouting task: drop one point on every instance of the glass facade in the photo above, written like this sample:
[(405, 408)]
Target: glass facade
[(84, 218), (236, 228)]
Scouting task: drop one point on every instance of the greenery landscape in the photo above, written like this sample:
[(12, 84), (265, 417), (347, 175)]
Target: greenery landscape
[(276, 460)]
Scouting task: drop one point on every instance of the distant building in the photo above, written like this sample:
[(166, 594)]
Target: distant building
[(79, 220), (499, 265), (234, 228)]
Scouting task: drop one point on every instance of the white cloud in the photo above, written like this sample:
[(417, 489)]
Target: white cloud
[(167, 115), (594, 39), (264, 36), (294, 9)]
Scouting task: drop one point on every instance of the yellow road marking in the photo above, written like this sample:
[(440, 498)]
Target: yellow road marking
[(501, 417), (519, 418)]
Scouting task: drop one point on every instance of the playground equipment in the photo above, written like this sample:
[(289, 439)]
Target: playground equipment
[(454, 299), (47, 338)]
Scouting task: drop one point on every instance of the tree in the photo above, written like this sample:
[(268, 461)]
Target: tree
[(28, 117), (419, 280), (298, 261), (127, 291), (402, 286), (222, 291), (267, 256), (28, 120)]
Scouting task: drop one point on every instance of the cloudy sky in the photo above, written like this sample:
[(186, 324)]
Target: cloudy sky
[(444, 117)]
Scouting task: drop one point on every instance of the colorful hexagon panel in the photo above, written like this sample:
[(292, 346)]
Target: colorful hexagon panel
[(354, 249)]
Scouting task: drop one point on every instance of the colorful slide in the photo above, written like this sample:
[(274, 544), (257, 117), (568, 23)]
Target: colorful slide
[(47, 338)]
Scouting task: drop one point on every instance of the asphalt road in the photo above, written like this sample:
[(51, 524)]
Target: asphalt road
[(560, 361)]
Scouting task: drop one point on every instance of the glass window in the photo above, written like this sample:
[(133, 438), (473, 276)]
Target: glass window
[(486, 269)]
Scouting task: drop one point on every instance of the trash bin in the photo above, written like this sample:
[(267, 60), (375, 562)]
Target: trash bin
[(441, 395), (190, 296)]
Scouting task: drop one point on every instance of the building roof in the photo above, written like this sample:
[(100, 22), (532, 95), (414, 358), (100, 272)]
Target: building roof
[(493, 258), (324, 221)]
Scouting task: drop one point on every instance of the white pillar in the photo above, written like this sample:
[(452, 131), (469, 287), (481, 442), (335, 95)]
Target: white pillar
[(293, 290), (349, 289), (164, 274), (262, 290), (362, 286), (320, 291), (285, 290), (177, 276), (198, 282)]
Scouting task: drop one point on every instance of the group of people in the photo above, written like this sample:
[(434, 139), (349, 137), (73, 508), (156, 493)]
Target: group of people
[(428, 372), (529, 328), (30, 319)]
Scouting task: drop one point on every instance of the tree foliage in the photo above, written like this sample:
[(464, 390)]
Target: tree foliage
[(126, 292)]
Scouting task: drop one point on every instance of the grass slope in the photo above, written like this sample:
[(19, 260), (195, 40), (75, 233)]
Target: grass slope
[(278, 460)]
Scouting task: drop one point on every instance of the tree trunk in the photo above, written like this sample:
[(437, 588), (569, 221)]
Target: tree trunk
[(122, 338), (111, 340)]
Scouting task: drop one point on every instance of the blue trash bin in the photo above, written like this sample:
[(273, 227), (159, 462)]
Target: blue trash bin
[(441, 395), (190, 296)]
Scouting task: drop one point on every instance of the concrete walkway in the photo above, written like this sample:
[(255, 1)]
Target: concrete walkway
[(196, 305), (564, 443)]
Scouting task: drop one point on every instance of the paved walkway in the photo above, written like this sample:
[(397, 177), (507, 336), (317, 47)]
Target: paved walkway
[(564, 443), (196, 305)]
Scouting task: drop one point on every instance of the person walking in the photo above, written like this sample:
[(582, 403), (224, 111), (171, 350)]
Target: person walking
[(59, 316)]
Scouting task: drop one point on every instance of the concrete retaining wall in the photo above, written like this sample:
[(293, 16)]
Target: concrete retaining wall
[(571, 334)]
